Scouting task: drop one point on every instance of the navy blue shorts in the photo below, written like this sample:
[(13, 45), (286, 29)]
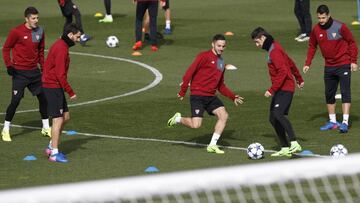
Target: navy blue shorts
[(30, 79)]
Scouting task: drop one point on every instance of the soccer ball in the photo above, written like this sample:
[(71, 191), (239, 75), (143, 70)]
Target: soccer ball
[(255, 151), (112, 41), (338, 150)]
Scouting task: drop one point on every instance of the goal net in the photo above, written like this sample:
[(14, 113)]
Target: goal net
[(299, 180)]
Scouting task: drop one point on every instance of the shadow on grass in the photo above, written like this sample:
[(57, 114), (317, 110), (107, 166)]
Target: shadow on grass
[(205, 139), (24, 131), (69, 146)]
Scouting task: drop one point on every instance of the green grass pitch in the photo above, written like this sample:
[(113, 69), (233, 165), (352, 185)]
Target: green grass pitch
[(144, 115)]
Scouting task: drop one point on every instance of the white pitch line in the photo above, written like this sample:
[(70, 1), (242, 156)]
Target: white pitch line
[(156, 81), (151, 140)]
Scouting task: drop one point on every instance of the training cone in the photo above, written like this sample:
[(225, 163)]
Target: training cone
[(355, 23), (71, 132), (136, 53), (151, 169), (229, 33), (30, 158), (306, 153), (98, 15)]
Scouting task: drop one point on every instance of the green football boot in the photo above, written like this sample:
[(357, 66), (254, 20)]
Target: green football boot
[(214, 149), (283, 152), (295, 147), (171, 122)]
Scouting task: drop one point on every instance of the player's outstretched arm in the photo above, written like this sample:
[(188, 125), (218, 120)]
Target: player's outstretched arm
[(238, 100)]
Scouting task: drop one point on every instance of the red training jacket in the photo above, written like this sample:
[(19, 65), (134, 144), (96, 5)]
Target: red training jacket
[(282, 70), (206, 75), (26, 47), (56, 67), (337, 45)]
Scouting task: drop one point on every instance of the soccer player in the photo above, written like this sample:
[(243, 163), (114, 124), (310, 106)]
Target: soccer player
[(141, 7), (55, 83), (108, 17), (340, 52), (302, 13), (69, 9), (282, 70), (206, 75), (22, 52)]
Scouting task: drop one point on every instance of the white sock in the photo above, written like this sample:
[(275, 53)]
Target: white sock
[(178, 119), (50, 147), (332, 118), (45, 123), (54, 151), (214, 139), (346, 119), (6, 125), (167, 24)]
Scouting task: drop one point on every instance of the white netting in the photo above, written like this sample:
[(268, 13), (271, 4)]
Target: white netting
[(301, 180)]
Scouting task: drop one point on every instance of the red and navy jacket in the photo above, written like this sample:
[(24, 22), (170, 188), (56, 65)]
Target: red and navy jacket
[(282, 70), (26, 47), (336, 43), (206, 75), (56, 67)]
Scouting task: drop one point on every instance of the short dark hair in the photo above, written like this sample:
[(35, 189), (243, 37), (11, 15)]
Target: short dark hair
[(73, 28), (218, 37), (323, 9), (30, 11), (258, 32)]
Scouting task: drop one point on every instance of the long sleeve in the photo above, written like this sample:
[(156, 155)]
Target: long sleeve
[(295, 71), (311, 49), (189, 75), (348, 37), (224, 90), (8, 45), (60, 71), (279, 62)]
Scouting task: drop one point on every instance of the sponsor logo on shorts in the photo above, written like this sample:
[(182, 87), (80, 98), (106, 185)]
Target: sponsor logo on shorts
[(346, 73), (15, 92), (197, 111), (61, 111), (277, 105)]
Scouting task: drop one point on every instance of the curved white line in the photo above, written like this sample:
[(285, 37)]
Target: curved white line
[(156, 81)]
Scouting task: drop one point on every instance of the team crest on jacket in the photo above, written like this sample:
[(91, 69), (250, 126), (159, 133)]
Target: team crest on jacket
[(334, 34), (37, 37)]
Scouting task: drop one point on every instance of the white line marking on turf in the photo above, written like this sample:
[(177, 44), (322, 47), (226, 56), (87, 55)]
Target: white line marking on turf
[(151, 140), (156, 81)]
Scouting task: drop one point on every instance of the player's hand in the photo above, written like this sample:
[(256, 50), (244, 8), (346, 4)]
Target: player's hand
[(162, 3), (306, 69), (267, 94), (10, 70), (238, 100), (301, 85), (180, 97), (354, 67), (73, 97)]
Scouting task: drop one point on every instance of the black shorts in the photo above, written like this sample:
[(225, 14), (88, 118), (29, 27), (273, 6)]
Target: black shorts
[(281, 102), (68, 9), (26, 78), (332, 77), (167, 5), (201, 103), (56, 102)]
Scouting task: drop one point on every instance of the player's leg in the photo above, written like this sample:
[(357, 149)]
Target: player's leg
[(141, 8), (167, 14), (18, 86), (84, 37), (299, 17), (345, 88), (331, 81), (307, 17), (66, 11), (35, 87), (214, 106), (57, 110), (153, 12), (108, 17)]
